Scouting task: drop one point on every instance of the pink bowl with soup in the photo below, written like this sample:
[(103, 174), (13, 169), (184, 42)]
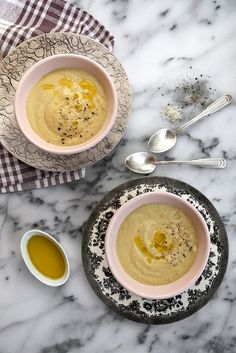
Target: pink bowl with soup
[(165, 290), (44, 67)]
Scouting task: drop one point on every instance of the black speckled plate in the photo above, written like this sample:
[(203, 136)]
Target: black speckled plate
[(122, 301)]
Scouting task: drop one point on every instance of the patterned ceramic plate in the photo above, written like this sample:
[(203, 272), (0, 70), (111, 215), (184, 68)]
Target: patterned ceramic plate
[(21, 59), (121, 300)]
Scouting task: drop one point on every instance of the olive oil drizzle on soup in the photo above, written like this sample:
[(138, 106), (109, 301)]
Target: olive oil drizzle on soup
[(156, 244), (66, 107)]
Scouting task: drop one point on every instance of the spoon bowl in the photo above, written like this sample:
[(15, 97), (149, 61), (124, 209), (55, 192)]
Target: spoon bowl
[(141, 162), (163, 140)]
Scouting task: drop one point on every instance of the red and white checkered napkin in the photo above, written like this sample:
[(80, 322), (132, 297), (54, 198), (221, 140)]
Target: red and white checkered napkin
[(19, 21)]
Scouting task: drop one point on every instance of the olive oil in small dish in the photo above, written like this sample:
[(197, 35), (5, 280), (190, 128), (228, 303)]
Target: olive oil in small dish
[(45, 258)]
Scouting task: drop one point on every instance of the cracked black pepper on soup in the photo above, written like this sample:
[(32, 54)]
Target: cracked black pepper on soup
[(157, 244), (66, 107)]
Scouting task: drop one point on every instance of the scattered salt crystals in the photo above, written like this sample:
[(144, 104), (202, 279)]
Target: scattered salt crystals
[(172, 113)]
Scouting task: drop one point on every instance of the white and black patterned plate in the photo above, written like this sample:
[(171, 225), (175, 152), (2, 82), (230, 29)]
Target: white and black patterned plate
[(21, 59), (121, 300)]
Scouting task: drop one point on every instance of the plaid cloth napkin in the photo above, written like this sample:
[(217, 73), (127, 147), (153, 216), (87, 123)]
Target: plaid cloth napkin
[(19, 21)]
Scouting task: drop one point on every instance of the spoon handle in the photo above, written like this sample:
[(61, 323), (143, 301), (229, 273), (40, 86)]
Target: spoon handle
[(204, 163), (212, 108)]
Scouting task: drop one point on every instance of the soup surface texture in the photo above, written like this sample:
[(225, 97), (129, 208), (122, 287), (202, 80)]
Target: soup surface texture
[(156, 244), (46, 256), (66, 107)]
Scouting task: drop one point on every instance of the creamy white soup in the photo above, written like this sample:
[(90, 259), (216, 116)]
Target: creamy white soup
[(67, 107), (156, 244)]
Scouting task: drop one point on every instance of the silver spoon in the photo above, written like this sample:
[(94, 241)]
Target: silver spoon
[(145, 163), (164, 139)]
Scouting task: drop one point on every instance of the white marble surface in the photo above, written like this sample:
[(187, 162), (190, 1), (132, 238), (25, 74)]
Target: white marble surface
[(38, 319)]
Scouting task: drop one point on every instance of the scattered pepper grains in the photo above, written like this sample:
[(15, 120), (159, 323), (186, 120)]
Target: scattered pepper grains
[(192, 93)]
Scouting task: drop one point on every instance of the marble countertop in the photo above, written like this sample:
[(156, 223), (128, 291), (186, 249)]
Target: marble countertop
[(163, 45)]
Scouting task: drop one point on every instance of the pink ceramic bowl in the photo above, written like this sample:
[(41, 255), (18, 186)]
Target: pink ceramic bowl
[(167, 290), (43, 67)]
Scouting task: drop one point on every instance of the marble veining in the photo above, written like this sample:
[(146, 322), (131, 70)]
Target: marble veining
[(160, 43)]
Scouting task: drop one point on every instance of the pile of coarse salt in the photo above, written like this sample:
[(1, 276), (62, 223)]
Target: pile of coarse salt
[(173, 113)]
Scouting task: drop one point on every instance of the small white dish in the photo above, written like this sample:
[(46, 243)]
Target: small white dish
[(26, 257)]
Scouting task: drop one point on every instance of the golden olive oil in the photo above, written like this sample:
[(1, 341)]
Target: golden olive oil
[(46, 256)]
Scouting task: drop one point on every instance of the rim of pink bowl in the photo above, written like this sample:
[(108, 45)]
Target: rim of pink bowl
[(33, 137)]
